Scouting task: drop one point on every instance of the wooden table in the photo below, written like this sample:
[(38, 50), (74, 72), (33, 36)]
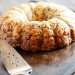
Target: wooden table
[(57, 62)]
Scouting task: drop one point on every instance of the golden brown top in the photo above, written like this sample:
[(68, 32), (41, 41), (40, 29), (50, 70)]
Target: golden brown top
[(38, 26)]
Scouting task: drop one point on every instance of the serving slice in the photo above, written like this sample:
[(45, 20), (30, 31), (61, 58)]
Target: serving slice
[(13, 61)]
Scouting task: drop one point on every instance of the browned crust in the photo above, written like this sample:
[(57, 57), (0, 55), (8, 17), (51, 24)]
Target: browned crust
[(58, 31)]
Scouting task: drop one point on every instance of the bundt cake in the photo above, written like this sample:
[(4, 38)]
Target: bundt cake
[(38, 26)]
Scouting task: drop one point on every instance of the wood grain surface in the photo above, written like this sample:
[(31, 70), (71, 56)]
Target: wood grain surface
[(57, 62)]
